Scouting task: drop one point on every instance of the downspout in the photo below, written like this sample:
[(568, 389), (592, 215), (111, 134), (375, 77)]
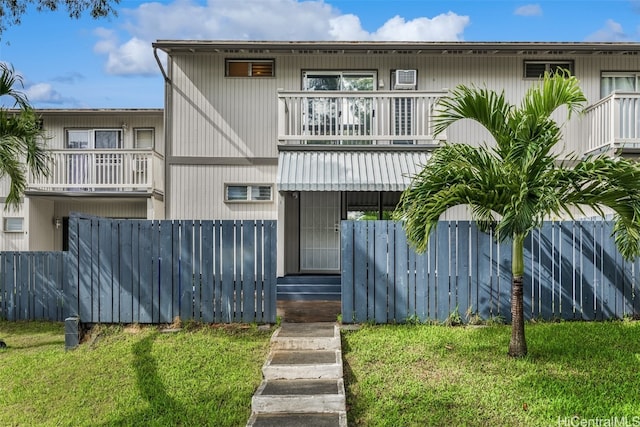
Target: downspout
[(167, 129)]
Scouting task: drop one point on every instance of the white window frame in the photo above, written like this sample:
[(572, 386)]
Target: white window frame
[(153, 137), (249, 193), (7, 229), (91, 132), (606, 74)]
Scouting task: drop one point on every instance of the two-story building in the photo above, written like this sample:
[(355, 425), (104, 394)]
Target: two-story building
[(310, 133), (103, 162)]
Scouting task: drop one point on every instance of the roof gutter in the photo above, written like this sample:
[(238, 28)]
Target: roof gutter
[(162, 70)]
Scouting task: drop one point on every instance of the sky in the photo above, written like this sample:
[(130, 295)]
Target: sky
[(109, 63)]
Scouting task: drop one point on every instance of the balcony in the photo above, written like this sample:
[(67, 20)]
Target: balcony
[(357, 118), (613, 124), (116, 170)]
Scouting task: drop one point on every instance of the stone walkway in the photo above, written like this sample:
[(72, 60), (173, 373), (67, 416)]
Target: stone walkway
[(303, 379)]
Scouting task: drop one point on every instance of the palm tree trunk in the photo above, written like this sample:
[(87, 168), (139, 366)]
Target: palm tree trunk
[(518, 344)]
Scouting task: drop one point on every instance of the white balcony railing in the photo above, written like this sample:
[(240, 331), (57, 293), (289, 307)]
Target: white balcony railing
[(357, 118), (613, 123), (100, 170)]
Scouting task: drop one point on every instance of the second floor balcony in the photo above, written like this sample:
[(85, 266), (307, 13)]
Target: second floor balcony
[(406, 117), (357, 117), (114, 170), (613, 124)]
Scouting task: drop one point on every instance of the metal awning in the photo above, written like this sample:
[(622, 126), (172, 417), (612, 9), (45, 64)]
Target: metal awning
[(348, 170)]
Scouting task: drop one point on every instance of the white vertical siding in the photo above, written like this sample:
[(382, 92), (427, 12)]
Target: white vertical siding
[(197, 192), (55, 126), (104, 208)]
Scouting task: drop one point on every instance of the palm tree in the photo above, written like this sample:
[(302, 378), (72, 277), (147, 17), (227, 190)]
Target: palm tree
[(512, 186), (20, 138)]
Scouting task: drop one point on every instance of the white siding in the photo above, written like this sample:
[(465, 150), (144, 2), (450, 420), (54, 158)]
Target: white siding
[(55, 126), (13, 241), (197, 192), (104, 208)]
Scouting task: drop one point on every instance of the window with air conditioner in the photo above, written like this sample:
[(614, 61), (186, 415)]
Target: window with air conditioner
[(405, 79), (403, 106)]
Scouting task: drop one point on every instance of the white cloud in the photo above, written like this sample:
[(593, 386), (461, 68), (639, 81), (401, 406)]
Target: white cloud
[(43, 93), (443, 27), (254, 20), (611, 32), (529, 10)]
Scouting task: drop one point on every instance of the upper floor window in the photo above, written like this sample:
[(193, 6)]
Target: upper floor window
[(143, 137), (248, 193), (94, 138), (626, 81), (249, 67), (536, 69)]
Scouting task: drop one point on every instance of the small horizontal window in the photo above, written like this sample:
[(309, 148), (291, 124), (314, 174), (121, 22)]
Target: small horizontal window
[(248, 193), (536, 69), (13, 225), (249, 68)]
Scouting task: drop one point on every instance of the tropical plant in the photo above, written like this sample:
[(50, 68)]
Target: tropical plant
[(21, 148), (513, 185)]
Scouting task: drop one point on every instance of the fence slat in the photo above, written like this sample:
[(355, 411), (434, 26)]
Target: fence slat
[(248, 260), (348, 271)]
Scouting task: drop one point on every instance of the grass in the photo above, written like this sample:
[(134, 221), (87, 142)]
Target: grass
[(419, 375), (204, 376)]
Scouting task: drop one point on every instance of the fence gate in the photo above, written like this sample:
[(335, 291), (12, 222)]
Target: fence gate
[(143, 271)]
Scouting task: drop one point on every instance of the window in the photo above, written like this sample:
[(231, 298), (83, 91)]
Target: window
[(620, 81), (248, 193), (143, 138), (249, 68), (536, 69), (94, 138), (13, 225)]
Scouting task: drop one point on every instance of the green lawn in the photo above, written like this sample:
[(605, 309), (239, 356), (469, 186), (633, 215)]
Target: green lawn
[(396, 375), (129, 376), (419, 375)]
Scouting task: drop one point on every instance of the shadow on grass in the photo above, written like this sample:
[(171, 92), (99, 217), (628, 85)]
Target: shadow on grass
[(162, 409)]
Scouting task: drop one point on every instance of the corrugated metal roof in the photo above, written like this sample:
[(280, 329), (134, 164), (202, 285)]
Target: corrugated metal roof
[(348, 170)]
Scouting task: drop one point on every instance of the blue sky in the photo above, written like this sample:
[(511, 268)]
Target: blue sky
[(109, 63)]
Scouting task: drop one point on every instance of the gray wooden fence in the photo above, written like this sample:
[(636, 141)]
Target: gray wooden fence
[(573, 271), (32, 285), (142, 271)]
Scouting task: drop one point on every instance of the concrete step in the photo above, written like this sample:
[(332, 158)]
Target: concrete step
[(303, 364), (306, 336), (297, 420), (317, 396)]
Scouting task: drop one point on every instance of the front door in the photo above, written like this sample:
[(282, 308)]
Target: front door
[(320, 232)]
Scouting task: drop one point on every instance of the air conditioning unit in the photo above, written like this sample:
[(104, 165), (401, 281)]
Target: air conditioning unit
[(405, 79)]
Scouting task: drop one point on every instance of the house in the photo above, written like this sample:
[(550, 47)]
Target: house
[(103, 162), (309, 133)]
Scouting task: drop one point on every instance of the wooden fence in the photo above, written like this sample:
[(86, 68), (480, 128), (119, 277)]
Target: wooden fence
[(572, 271), (142, 271), (32, 285)]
